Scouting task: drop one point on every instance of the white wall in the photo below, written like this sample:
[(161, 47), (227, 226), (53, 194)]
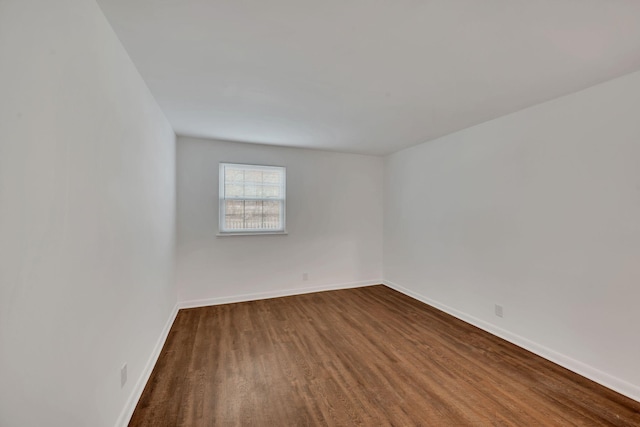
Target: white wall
[(334, 221), (538, 211), (87, 217)]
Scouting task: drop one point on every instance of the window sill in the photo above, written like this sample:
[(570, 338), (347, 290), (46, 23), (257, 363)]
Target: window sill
[(253, 233)]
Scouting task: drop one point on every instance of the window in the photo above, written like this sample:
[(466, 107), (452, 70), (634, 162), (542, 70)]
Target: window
[(252, 199)]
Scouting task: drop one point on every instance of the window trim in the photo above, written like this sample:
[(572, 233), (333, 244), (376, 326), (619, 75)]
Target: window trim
[(222, 198)]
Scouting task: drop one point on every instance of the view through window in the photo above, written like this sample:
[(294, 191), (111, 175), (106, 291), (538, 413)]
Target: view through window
[(252, 198)]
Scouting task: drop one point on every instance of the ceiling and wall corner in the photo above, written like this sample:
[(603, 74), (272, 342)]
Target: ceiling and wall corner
[(367, 76)]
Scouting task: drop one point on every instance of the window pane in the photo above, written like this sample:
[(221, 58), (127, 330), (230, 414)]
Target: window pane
[(253, 184), (251, 189), (234, 190), (271, 177), (253, 214), (252, 198), (234, 214), (271, 191), (272, 211)]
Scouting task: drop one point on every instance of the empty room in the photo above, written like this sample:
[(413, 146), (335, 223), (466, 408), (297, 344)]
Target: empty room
[(330, 213)]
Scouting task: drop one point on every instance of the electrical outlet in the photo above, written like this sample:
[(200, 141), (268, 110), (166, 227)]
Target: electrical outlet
[(123, 375), (499, 312), (305, 276)]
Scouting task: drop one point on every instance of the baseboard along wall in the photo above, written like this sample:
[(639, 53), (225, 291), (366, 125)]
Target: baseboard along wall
[(623, 387), (275, 294), (616, 384), (134, 397), (138, 388)]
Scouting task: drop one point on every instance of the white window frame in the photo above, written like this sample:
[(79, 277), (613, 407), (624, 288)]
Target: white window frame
[(222, 198)]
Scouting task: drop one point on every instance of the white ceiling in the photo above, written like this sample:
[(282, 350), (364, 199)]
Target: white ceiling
[(367, 76)]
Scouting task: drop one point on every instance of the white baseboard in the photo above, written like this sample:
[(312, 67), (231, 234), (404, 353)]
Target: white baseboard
[(274, 294), (132, 401), (623, 387)]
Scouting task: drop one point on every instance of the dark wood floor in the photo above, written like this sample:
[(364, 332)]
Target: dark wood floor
[(368, 356)]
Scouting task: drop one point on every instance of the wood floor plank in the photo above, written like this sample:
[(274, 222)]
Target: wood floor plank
[(368, 356)]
